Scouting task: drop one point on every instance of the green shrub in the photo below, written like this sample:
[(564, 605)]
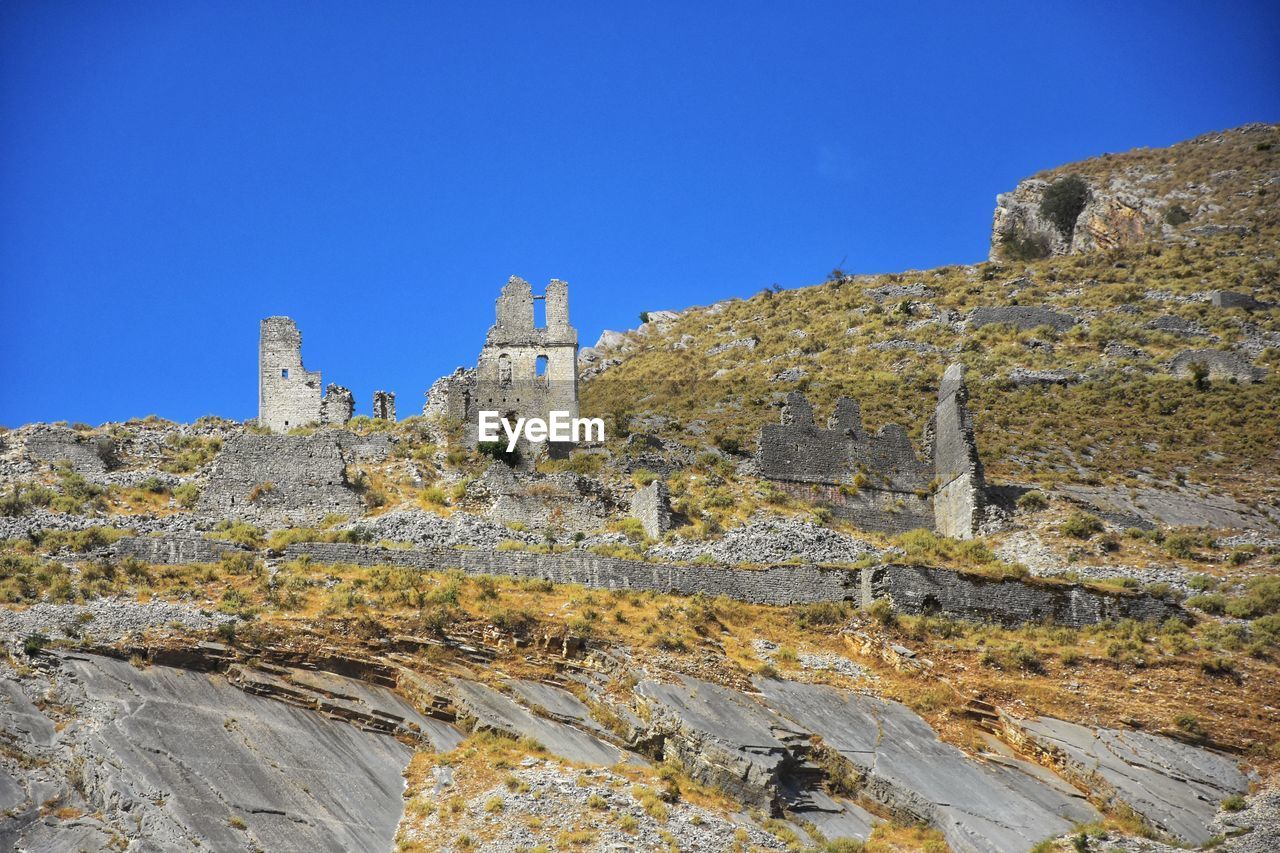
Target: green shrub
[(33, 643), (881, 610), (1261, 598), (1234, 803), (187, 495), (1214, 603), (1081, 525), (1063, 202), (1026, 658), (1176, 215), (1032, 501)]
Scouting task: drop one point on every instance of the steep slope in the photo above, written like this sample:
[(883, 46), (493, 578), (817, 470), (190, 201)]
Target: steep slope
[(1080, 364)]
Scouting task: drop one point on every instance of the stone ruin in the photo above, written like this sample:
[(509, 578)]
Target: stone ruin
[(338, 406), (524, 369), (384, 406), (877, 481), (958, 477), (289, 395)]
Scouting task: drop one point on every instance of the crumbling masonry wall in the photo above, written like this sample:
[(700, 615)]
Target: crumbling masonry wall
[(957, 501), (384, 406), (523, 370), (875, 481), (280, 479), (288, 393), (338, 406), (911, 589), (652, 506)]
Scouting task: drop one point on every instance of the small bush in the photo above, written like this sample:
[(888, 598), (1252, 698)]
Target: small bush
[(1176, 215), (187, 495), (1214, 603), (33, 643), (1032, 501), (1026, 658), (881, 611), (1081, 525), (1234, 803), (1063, 202)]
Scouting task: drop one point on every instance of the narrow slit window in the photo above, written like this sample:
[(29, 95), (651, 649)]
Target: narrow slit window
[(284, 373), (539, 313)]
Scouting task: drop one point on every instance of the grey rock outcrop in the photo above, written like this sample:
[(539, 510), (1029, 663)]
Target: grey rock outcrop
[(917, 777), (1022, 317), (1219, 364), (171, 759), (1175, 786), (489, 709)]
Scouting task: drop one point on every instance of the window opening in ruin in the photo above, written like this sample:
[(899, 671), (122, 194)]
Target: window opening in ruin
[(540, 366), (284, 373), (504, 369), (539, 312)]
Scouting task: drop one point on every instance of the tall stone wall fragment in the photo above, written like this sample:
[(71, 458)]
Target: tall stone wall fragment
[(338, 405), (957, 500), (288, 393), (280, 479), (652, 506), (384, 405)]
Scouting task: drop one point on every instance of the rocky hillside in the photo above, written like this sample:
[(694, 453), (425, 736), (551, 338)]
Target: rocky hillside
[(1213, 184), (370, 637)]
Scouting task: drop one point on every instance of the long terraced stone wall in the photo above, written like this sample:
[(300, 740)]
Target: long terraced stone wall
[(912, 589), (171, 550), (777, 585), (1010, 602)]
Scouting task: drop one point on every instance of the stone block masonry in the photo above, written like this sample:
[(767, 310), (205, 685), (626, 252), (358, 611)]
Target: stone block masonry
[(288, 393), (525, 370), (959, 480), (172, 550), (280, 479), (912, 589), (384, 406), (652, 506), (875, 480), (338, 406), (87, 454)]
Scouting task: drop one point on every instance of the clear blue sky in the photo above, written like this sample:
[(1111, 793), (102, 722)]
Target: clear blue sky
[(172, 172)]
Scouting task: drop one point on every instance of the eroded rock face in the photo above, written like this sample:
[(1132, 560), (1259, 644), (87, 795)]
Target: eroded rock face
[(918, 777), (1174, 786), (171, 759), (493, 710), (1112, 216)]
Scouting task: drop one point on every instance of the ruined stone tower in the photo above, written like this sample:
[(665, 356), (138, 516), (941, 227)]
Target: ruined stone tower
[(525, 369), (288, 393)]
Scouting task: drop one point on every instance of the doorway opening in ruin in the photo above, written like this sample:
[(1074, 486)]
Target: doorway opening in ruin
[(540, 367)]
